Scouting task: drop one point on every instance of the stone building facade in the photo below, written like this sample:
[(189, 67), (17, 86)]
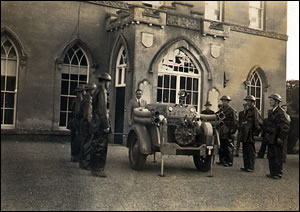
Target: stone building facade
[(209, 49)]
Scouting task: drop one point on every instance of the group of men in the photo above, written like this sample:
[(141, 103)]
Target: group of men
[(90, 125), (249, 124)]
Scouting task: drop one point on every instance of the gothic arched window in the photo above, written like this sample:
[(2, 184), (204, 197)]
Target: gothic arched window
[(9, 78), (121, 66), (75, 71), (177, 71), (255, 89)]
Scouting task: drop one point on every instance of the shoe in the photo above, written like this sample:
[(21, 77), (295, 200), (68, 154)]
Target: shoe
[(229, 164), (276, 177), (226, 164), (243, 169), (100, 173), (219, 163), (249, 170)]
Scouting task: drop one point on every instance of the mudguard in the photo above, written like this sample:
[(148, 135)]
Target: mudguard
[(208, 132), (144, 139)]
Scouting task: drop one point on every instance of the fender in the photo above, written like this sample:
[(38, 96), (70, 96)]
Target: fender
[(144, 139), (208, 132)]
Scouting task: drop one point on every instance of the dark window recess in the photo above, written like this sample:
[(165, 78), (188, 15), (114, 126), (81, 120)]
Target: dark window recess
[(65, 76), (62, 119), (2, 83), (173, 82), (166, 96), (159, 81), (9, 100), (159, 95), (195, 84), (189, 84), (8, 116), (83, 78), (74, 77), (182, 82), (11, 83), (64, 87), (75, 61), (2, 99), (173, 96), (83, 61), (63, 103), (73, 87), (166, 81)]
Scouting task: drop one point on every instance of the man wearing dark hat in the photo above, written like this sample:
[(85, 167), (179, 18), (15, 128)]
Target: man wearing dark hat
[(207, 109), (86, 127), (101, 124), (74, 124), (226, 132), (250, 127), (241, 118), (276, 131)]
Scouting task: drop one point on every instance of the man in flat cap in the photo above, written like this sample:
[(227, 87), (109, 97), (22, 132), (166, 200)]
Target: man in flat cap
[(86, 127), (207, 108), (74, 123)]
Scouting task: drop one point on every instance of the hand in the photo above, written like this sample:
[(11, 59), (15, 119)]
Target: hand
[(279, 141), (107, 130)]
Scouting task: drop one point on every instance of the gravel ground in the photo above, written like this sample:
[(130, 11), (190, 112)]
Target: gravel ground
[(40, 176)]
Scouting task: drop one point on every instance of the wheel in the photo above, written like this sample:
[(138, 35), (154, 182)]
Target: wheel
[(201, 163), (136, 158)]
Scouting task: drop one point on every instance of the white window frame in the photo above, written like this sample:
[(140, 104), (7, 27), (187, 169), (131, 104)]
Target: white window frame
[(4, 38), (122, 68), (220, 3), (261, 12), (70, 66), (256, 86), (181, 74)]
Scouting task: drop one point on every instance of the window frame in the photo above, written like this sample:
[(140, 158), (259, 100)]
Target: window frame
[(5, 38), (69, 67), (123, 68), (221, 3), (262, 11), (255, 86)]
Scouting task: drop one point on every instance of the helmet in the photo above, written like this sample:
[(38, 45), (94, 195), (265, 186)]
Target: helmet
[(226, 98), (276, 97), (90, 86), (80, 88), (250, 97), (104, 76)]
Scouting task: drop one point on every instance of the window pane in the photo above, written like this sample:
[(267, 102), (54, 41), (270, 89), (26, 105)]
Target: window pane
[(257, 92), (83, 78), (175, 68), (166, 81), (188, 98), (252, 91), (1, 117), (12, 54), (62, 119), (166, 95), (189, 84), (2, 99), (65, 76), (9, 100), (258, 104), (2, 83), (159, 81), (73, 87), (11, 67), (74, 77), (173, 96), (195, 98), (159, 95), (11, 84), (173, 82), (64, 87), (181, 69), (182, 83), (70, 103), (195, 84), (83, 61), (63, 103), (8, 116)]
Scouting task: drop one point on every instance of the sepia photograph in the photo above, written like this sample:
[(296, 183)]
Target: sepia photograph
[(149, 105)]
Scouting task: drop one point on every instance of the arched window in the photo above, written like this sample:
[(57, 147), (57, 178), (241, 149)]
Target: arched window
[(9, 77), (255, 89), (121, 68), (177, 72), (75, 71)]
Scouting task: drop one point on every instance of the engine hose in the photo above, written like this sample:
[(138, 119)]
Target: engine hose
[(141, 113), (142, 120)]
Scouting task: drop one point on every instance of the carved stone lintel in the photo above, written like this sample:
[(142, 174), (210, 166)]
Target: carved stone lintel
[(184, 22)]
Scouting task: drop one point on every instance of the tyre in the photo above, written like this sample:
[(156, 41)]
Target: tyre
[(137, 160), (202, 163)]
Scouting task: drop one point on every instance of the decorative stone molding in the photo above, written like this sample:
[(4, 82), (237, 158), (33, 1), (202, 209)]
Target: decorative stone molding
[(183, 22), (114, 4), (216, 29), (247, 30)]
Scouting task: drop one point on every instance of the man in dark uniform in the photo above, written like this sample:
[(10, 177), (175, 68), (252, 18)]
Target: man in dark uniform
[(241, 118), (284, 148), (207, 109), (74, 124), (250, 127), (101, 124), (226, 132), (86, 127), (275, 133)]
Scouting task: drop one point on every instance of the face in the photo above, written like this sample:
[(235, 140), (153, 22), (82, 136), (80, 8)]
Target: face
[(225, 102), (139, 94), (107, 84), (208, 107), (249, 103), (272, 102)]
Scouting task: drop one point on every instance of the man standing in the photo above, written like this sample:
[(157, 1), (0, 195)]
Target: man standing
[(207, 109), (284, 148), (135, 103), (251, 126), (101, 125), (275, 134), (241, 116), (226, 133), (86, 127), (74, 124)]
